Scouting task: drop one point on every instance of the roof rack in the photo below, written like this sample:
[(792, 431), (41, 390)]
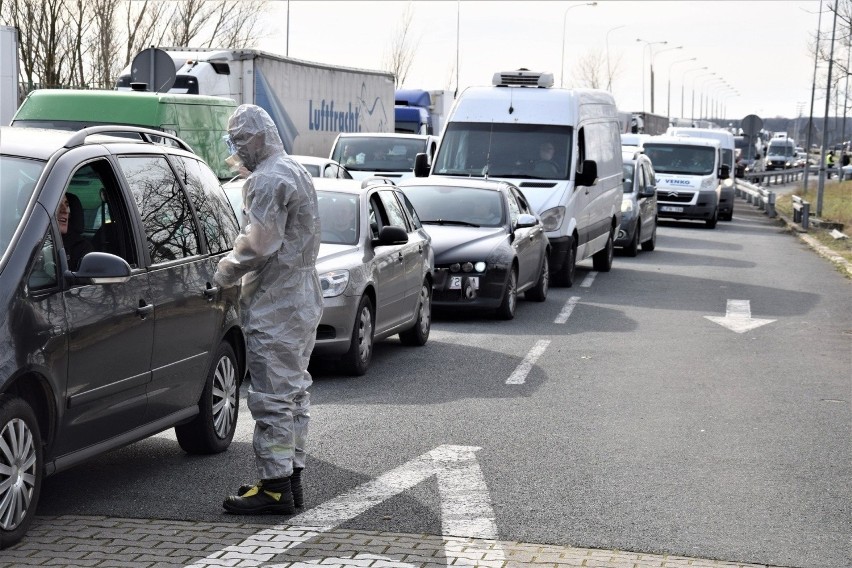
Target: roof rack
[(145, 134)]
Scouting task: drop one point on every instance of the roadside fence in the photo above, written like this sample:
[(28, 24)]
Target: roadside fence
[(757, 196)]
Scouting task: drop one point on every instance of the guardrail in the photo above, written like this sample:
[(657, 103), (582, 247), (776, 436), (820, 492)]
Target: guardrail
[(760, 197), (801, 211)]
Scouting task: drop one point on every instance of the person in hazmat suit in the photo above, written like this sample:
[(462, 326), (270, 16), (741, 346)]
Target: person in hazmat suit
[(275, 256)]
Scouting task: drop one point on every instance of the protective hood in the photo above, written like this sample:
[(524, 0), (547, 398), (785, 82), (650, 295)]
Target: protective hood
[(254, 134)]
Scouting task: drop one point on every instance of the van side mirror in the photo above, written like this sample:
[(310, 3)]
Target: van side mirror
[(589, 175), (725, 171), (421, 165)]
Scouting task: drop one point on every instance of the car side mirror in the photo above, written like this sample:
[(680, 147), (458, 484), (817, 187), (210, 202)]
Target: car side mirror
[(725, 171), (391, 235), (649, 191), (589, 175), (525, 220), (100, 268), (421, 165)]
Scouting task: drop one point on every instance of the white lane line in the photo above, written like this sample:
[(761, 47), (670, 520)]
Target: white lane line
[(567, 309), (520, 374), (587, 281)]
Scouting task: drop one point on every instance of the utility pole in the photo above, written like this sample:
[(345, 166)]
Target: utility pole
[(821, 184)]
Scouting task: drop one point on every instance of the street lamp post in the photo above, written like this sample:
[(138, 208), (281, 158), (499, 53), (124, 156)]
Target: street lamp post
[(649, 45), (683, 83), (669, 95), (692, 113), (608, 69), (652, 70), (564, 25), (704, 104)]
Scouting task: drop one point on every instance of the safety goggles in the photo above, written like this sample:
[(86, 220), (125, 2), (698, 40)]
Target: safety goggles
[(232, 148)]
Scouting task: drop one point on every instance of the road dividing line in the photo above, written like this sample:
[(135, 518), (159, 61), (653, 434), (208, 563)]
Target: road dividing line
[(567, 309), (587, 281), (520, 374)]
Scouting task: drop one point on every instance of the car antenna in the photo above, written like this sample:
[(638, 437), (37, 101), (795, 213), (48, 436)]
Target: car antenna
[(488, 153)]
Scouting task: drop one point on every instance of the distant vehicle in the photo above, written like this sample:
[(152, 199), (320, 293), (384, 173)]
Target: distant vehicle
[(417, 111), (323, 167), (648, 123), (489, 245), (198, 120), (690, 175), (506, 131), (129, 340), (309, 102), (748, 158), (633, 140), (781, 154), (381, 155), (727, 147), (638, 204)]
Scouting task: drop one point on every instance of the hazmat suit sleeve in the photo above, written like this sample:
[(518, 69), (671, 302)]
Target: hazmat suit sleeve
[(261, 236)]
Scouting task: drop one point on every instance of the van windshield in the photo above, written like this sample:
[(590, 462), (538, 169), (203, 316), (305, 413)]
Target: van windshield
[(682, 158), (533, 151), (780, 150), (378, 153)]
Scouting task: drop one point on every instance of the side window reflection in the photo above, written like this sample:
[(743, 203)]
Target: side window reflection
[(169, 224), (215, 214)]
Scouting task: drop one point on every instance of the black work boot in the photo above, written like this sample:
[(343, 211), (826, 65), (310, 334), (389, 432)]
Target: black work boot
[(268, 496), (295, 486)]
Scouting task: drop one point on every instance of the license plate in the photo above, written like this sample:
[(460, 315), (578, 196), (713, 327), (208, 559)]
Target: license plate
[(456, 282), (670, 209)]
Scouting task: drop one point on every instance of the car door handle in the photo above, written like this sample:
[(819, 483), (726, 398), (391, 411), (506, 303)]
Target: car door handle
[(144, 309), (211, 291)]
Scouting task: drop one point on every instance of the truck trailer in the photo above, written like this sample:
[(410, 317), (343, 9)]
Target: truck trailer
[(8, 73), (311, 103)]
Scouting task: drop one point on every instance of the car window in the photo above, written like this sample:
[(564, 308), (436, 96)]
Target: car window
[(642, 180), (649, 175), (106, 223), (215, 213), (514, 209), (415, 219), (394, 212), (165, 211), (374, 218), (628, 177), (43, 272), (338, 214), (523, 206)]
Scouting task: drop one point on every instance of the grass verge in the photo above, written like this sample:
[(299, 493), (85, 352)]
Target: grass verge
[(836, 207)]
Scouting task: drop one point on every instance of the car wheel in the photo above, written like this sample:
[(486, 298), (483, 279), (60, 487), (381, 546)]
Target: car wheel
[(21, 468), (651, 243), (711, 223), (565, 276), (357, 359), (632, 249), (506, 311), (602, 260), (418, 334), (538, 293), (212, 430)]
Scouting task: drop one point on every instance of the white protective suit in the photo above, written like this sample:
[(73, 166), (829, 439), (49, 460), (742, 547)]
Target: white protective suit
[(275, 255)]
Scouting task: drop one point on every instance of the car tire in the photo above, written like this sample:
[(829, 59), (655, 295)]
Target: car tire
[(355, 361), (711, 223), (212, 429), (418, 334), (602, 260), (632, 249), (22, 458), (506, 310), (651, 243), (538, 293), (565, 276)]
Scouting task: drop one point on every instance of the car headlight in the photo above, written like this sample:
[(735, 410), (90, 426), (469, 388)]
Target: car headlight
[(708, 183), (333, 283), (626, 206), (552, 218)]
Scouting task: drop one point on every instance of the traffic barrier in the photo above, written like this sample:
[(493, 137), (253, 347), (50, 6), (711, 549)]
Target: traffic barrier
[(760, 197), (801, 211)]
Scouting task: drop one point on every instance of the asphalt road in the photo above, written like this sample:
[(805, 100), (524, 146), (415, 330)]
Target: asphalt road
[(637, 424)]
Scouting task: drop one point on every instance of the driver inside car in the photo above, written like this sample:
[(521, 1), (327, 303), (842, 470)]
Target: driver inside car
[(545, 166)]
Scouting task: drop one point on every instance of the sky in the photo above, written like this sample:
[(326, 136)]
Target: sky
[(756, 53)]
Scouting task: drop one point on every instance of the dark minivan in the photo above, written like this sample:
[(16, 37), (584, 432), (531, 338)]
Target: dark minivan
[(102, 349)]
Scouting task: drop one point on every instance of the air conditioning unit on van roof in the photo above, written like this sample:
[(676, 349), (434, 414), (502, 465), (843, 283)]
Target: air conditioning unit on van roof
[(522, 78)]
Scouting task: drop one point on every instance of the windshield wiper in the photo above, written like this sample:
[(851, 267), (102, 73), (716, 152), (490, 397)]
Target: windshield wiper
[(448, 222)]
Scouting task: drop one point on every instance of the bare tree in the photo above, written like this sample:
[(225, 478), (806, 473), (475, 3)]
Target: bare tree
[(144, 26), (401, 51), (590, 70)]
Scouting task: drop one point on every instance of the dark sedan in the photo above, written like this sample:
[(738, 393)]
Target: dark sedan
[(489, 246)]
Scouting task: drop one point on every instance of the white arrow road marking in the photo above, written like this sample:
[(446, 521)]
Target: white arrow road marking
[(465, 509), (565, 313), (738, 317), (520, 374), (587, 281)]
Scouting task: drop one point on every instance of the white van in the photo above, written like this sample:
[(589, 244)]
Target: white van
[(781, 154), (729, 151), (690, 177), (561, 147)]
